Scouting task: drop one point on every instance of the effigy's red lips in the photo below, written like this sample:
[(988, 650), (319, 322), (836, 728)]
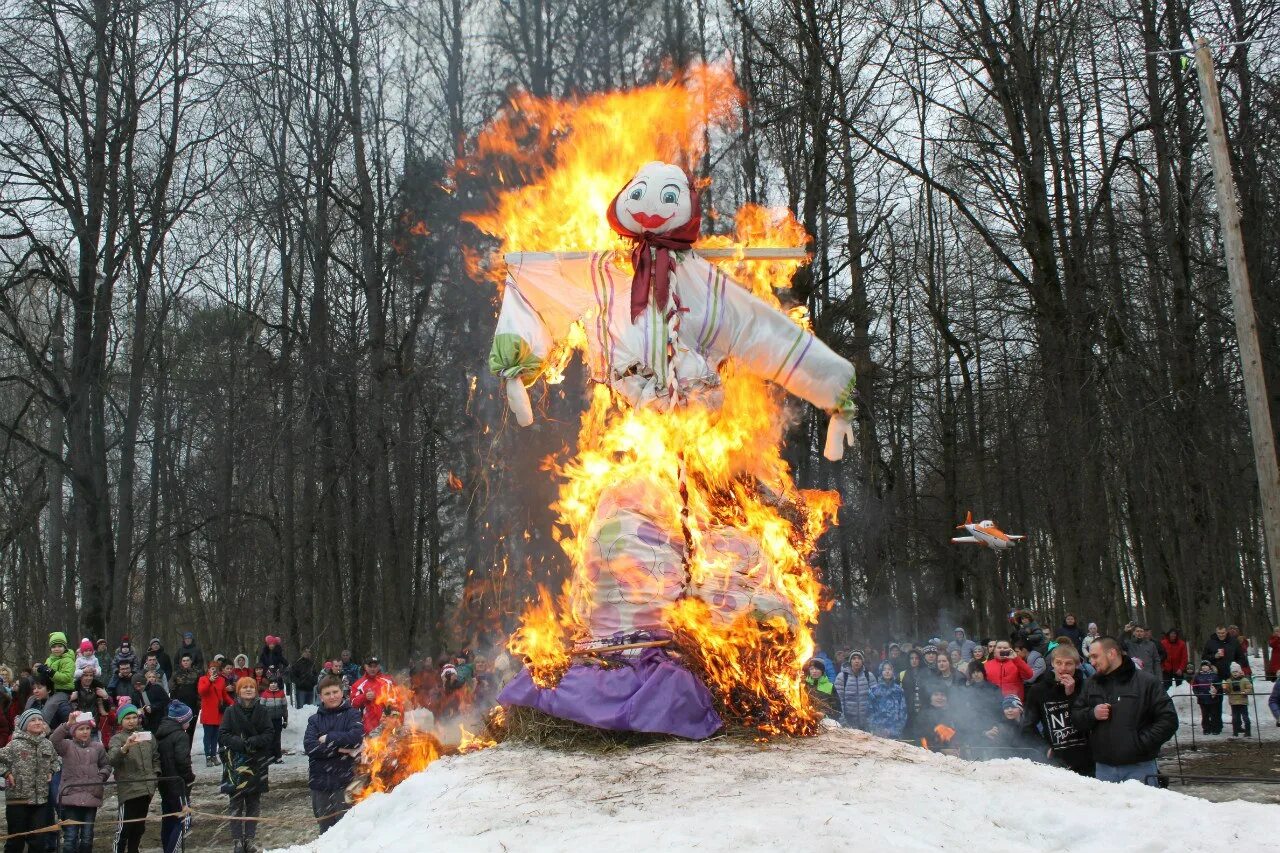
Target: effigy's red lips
[(648, 220)]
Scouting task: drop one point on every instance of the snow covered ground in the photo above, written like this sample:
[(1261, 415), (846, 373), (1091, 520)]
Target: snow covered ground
[(1263, 723), (843, 790)]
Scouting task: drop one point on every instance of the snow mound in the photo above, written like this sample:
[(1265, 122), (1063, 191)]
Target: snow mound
[(840, 791)]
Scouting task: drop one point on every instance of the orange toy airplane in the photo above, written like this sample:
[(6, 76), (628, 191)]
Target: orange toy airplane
[(984, 533)]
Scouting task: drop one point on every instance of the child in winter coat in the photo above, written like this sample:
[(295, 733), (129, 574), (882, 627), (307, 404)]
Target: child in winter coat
[(84, 769), (174, 748), (136, 761), (1274, 702), (277, 704), (1207, 687), (28, 763), (62, 662), (821, 692), (86, 659), (1239, 687), (887, 705), (333, 737)]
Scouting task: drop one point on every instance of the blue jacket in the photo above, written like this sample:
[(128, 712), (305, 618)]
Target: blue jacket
[(1202, 686), (855, 693), (343, 727), (1274, 702), (887, 709)]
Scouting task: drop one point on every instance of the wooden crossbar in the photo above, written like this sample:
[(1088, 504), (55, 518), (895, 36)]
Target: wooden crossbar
[(778, 253)]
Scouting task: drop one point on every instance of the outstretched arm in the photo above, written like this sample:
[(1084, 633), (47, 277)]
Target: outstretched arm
[(771, 345), (541, 300)]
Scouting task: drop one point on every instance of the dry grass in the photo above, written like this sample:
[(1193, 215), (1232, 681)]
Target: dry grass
[(530, 726)]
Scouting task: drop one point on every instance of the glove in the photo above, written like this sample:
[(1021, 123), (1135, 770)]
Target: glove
[(839, 435), (518, 399)]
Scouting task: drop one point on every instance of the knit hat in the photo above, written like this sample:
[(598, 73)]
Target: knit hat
[(178, 711), (126, 711), (929, 648), (1207, 663), (241, 682), (84, 718), (187, 635), (1010, 701), (155, 641), (26, 717), (86, 646), (856, 653), (1236, 669)]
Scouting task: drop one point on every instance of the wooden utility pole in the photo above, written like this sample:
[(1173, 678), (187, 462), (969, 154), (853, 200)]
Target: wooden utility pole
[(1255, 387)]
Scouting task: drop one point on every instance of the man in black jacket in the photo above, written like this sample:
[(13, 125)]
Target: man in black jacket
[(1048, 710), (1222, 650), (303, 675), (1126, 714)]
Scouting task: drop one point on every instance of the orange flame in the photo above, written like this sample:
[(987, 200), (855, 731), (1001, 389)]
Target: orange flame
[(567, 159), (394, 751), (713, 474), (944, 733)]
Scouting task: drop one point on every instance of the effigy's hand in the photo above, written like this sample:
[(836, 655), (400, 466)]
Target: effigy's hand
[(839, 436), (518, 399)]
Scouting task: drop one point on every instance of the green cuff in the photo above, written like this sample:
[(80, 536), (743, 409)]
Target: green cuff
[(511, 356), (847, 402)]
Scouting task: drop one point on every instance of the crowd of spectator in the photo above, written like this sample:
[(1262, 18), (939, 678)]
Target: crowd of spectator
[(1093, 703), (85, 719)]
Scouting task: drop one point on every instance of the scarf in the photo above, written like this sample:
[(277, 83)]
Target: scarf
[(651, 254)]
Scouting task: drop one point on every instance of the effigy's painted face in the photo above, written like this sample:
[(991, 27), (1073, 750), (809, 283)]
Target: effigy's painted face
[(656, 200)]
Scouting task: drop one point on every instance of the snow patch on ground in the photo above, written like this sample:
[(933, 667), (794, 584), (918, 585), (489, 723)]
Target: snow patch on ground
[(841, 790)]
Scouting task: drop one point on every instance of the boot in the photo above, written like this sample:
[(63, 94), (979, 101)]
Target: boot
[(239, 847)]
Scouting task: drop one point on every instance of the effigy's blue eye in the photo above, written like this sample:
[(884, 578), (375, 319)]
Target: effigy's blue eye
[(637, 193), (670, 197)]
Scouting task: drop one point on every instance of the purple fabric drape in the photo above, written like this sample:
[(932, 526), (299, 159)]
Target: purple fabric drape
[(650, 693)]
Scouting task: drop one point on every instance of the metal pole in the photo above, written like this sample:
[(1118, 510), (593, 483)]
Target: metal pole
[(1264, 446)]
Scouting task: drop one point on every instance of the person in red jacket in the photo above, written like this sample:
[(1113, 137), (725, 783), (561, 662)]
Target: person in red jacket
[(1273, 654), (373, 694), (1173, 652), (213, 699), (1008, 671)]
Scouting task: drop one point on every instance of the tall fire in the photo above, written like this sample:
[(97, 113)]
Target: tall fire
[(711, 471), (705, 469)]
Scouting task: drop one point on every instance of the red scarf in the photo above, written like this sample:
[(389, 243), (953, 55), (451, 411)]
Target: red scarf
[(651, 254)]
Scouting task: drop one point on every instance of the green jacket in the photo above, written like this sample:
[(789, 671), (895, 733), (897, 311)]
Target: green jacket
[(32, 761), (137, 769), (63, 666)]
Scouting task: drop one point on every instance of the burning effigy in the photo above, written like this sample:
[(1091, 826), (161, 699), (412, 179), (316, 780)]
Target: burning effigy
[(691, 596)]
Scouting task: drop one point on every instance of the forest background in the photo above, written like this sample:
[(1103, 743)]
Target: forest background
[(244, 351)]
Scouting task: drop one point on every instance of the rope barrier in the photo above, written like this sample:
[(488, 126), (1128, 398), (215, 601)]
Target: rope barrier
[(185, 812)]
